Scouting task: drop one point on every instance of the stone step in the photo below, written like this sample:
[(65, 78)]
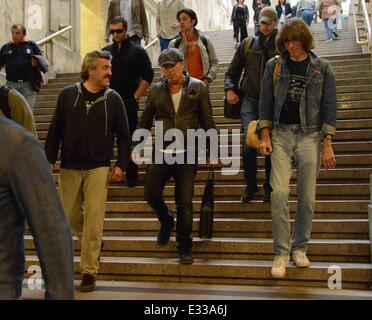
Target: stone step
[(219, 88), (219, 118), (350, 96), (342, 135), (222, 191), (339, 175), (227, 124), (242, 272), (342, 160), (357, 251), (217, 105), (218, 82), (346, 74)]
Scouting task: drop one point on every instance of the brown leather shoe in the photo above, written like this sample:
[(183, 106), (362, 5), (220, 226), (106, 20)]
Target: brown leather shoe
[(88, 283)]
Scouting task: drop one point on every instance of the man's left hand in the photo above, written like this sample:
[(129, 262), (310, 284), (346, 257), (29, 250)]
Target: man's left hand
[(34, 62)]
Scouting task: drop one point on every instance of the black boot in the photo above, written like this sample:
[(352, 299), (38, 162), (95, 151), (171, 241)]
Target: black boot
[(165, 231), (248, 194)]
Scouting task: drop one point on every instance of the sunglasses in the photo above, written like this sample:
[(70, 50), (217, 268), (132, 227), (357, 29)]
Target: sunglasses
[(118, 31)]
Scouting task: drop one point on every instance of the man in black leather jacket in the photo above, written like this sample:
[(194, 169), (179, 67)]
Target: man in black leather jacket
[(178, 102)]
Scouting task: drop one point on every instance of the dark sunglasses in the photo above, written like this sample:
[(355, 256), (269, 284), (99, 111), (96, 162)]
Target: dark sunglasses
[(118, 31)]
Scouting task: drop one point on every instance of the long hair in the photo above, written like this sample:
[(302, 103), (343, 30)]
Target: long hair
[(90, 61), (295, 30)]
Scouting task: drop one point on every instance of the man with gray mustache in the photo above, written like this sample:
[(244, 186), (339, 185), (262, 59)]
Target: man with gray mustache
[(88, 117)]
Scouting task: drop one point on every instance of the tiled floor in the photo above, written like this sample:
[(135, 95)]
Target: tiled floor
[(108, 290)]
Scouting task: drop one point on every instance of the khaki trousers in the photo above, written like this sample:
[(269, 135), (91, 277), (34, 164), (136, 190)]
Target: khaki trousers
[(83, 195)]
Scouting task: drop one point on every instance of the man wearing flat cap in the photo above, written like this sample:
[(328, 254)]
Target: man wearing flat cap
[(252, 56), (179, 102)]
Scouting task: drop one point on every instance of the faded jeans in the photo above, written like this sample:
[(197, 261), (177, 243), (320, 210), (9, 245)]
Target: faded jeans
[(289, 143), (24, 88)]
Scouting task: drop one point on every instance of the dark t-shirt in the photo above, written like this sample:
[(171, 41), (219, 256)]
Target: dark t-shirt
[(290, 113), (239, 13), (91, 97)]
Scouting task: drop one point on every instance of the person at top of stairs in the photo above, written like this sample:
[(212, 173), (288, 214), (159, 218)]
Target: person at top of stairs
[(88, 117), (180, 102), (297, 126), (239, 19), (328, 12), (167, 26), (201, 61), (252, 55)]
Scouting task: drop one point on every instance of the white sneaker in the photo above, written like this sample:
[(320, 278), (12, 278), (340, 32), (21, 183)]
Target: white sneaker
[(279, 265), (300, 259)]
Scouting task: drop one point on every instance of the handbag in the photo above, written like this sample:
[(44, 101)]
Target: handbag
[(207, 207), (232, 111), (253, 138)]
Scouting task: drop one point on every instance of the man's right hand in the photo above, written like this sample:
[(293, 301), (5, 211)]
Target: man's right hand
[(232, 97), (135, 156)]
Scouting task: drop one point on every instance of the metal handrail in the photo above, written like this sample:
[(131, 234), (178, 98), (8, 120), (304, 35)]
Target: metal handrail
[(152, 43), (362, 4), (52, 36)]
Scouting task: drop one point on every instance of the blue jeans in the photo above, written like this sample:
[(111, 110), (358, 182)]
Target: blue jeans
[(156, 177), (307, 16), (289, 143), (249, 112), (164, 43), (24, 88), (329, 25)]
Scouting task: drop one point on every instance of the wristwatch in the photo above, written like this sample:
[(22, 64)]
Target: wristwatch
[(327, 136)]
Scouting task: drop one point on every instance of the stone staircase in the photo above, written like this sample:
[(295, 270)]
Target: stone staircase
[(241, 251)]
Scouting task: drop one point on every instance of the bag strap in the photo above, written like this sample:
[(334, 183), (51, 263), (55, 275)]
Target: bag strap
[(276, 70)]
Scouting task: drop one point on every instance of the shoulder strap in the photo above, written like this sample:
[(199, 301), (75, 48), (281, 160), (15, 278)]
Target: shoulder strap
[(178, 42), (4, 100), (248, 42), (204, 41), (276, 70)]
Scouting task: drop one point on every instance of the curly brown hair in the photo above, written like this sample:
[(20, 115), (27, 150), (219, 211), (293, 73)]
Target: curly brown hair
[(295, 30)]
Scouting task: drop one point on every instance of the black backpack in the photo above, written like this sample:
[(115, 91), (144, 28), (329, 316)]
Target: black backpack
[(202, 38), (4, 101)]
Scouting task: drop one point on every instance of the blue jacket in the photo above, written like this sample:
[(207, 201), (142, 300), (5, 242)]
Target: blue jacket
[(318, 106), (28, 194)]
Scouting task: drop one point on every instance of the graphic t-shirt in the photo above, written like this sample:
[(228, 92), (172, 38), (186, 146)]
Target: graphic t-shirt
[(290, 113), (195, 64)]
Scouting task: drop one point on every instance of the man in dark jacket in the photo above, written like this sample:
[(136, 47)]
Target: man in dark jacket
[(28, 194), (21, 59), (131, 75), (179, 102), (88, 117), (252, 55)]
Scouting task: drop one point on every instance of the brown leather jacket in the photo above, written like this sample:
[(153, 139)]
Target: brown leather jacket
[(139, 19)]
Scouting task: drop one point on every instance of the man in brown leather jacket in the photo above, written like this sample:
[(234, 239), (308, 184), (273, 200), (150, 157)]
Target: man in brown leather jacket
[(178, 102), (134, 13)]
